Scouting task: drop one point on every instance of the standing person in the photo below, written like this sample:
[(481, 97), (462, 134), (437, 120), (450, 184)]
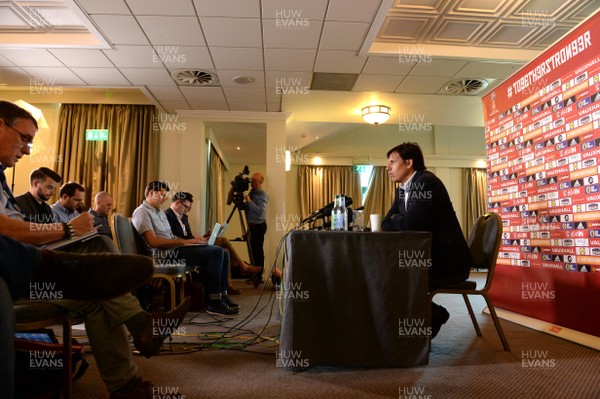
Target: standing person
[(42, 184), (152, 224), (422, 204), (181, 204), (70, 200), (256, 212), (103, 203)]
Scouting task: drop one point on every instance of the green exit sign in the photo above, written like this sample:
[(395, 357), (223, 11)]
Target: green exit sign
[(96, 135), (360, 168)]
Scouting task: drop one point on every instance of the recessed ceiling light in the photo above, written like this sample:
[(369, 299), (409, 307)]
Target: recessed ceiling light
[(243, 79)]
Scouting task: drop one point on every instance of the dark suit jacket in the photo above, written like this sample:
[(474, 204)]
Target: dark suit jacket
[(176, 227), (429, 209), (35, 212)]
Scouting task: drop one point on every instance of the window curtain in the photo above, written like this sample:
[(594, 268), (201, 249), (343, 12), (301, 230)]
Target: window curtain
[(381, 193), (123, 165), (320, 184), (476, 198), (216, 178)]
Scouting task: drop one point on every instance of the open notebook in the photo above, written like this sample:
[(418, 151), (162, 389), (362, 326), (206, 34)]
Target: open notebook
[(217, 232), (66, 242)]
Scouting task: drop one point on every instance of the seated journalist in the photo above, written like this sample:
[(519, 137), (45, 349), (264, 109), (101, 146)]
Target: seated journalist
[(422, 204)]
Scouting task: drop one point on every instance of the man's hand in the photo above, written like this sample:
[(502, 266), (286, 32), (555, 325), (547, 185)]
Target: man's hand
[(247, 198), (83, 224), (196, 241)]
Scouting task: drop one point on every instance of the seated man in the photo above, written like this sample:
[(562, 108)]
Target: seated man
[(104, 320), (71, 198), (152, 224), (42, 183), (103, 203), (422, 204), (181, 204)]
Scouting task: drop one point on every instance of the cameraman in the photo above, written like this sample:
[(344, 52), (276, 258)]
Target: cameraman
[(256, 212)]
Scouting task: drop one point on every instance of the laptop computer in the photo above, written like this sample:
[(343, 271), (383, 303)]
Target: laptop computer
[(217, 232)]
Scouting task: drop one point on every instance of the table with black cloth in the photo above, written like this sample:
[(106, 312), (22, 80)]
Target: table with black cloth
[(354, 299)]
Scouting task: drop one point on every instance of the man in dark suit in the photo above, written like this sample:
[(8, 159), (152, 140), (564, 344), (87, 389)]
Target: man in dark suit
[(422, 204), (42, 184)]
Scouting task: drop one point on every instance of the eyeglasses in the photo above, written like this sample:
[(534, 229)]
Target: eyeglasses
[(26, 139), (187, 207)]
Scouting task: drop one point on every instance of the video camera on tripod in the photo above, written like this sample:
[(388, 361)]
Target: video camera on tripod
[(239, 185)]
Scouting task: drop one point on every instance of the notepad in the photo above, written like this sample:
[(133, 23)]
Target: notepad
[(217, 232), (57, 245)]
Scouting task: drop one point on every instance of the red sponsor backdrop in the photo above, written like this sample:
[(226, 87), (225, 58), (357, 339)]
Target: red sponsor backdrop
[(542, 131)]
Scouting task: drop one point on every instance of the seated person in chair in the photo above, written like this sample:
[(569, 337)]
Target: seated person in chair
[(178, 220), (104, 320), (42, 184), (422, 204), (152, 224)]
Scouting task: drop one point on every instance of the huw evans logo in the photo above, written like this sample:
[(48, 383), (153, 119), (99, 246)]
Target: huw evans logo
[(413, 259), (45, 360), (290, 19), (536, 359), (537, 291), (413, 393), (293, 291), (290, 359), (44, 291), (413, 327)]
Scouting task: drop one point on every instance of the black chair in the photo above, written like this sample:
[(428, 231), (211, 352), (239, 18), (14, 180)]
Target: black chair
[(484, 243), (128, 241)]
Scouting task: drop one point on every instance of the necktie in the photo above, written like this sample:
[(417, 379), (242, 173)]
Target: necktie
[(12, 202), (402, 195)]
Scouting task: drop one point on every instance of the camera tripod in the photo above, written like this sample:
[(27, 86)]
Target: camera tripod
[(245, 230)]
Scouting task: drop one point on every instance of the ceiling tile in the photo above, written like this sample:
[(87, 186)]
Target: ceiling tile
[(229, 8), (13, 76), (276, 35), (437, 67), (177, 57), (101, 76), (226, 78), (274, 94), (421, 84), (172, 106), (343, 35), (235, 94), (289, 60), (182, 31), (51, 78), (166, 93), (30, 57), (236, 58), (5, 62), (492, 70), (509, 35), (143, 76), (291, 11), (133, 57), (387, 83), (104, 6), (339, 61), (210, 105), (161, 7), (387, 66), (82, 58), (273, 107), (352, 10), (245, 106), (232, 32), (403, 28), (120, 29), (280, 79), (214, 94)]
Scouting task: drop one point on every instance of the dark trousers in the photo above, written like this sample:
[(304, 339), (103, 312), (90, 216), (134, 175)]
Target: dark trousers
[(214, 262), (257, 239)]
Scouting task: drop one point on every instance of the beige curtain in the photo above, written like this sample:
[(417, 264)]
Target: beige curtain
[(216, 178), (381, 193), (123, 165), (476, 198), (320, 184)]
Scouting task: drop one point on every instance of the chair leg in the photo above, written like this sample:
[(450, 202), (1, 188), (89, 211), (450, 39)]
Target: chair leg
[(172, 289), (490, 306), (473, 318), (67, 359)]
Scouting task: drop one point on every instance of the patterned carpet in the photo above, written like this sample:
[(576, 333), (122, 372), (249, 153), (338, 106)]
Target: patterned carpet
[(461, 364)]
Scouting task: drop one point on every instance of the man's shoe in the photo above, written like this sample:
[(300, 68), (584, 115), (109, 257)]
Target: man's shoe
[(220, 308), (229, 302), (160, 325), (231, 290), (439, 316), (248, 269), (92, 277), (140, 389)]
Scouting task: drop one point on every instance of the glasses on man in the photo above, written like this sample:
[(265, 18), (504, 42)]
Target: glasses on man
[(187, 207), (28, 141)]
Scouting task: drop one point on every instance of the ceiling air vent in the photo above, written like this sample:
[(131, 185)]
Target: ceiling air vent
[(465, 86), (194, 77)]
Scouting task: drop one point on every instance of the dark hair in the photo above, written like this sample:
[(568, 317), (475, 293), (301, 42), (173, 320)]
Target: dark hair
[(183, 196), (70, 188), (410, 151), (156, 185), (11, 112), (40, 174)]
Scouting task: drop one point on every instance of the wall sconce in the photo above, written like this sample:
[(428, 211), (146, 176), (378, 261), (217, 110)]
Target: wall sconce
[(376, 114), (35, 112)]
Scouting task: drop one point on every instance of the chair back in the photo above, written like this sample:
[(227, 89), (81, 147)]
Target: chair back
[(484, 243), (127, 238)]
